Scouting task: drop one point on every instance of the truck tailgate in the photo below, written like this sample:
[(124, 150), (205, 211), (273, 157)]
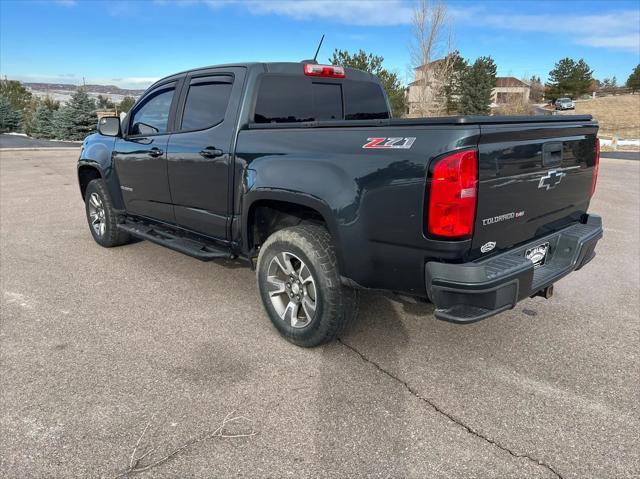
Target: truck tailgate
[(534, 178)]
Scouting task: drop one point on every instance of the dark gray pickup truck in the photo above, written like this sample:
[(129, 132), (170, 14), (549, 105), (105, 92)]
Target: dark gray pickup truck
[(299, 169)]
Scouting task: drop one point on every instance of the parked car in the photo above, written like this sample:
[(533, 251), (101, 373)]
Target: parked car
[(565, 104), (300, 170)]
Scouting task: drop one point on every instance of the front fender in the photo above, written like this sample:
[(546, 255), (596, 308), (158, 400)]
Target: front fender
[(96, 153)]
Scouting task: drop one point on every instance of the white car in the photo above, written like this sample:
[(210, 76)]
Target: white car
[(565, 104)]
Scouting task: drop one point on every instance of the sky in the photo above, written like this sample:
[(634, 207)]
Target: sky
[(133, 43)]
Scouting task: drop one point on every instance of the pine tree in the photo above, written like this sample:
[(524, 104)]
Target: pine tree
[(569, 77), (77, 119), (633, 81), (43, 122), (62, 123), (453, 82), (478, 82), (9, 117)]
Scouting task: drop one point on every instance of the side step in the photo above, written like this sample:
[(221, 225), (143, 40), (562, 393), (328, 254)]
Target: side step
[(155, 234)]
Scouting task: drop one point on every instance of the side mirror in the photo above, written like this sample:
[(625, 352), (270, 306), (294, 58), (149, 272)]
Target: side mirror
[(109, 126)]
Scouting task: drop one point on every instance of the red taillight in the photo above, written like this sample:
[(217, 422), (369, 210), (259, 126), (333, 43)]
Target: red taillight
[(595, 167), (452, 196), (327, 71)]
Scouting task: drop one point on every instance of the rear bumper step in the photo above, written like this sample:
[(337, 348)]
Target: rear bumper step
[(168, 238), (469, 292)]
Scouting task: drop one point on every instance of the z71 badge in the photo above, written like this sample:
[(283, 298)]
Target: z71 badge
[(387, 143)]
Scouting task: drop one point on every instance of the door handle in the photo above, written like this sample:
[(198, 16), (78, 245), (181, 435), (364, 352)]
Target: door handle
[(155, 152), (211, 152)]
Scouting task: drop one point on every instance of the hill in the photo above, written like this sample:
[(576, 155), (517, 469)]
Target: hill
[(68, 87)]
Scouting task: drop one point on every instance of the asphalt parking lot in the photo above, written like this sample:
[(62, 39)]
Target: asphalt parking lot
[(97, 344)]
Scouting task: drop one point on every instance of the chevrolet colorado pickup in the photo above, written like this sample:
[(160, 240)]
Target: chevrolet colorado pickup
[(300, 169)]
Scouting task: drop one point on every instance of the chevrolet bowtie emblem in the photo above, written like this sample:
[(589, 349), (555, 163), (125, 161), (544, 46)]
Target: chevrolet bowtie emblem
[(551, 179)]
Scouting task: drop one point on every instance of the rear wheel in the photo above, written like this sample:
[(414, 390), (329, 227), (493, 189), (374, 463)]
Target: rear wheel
[(102, 217), (300, 286)]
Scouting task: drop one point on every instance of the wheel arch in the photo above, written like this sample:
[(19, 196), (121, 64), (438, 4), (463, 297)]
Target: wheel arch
[(289, 205), (87, 172)]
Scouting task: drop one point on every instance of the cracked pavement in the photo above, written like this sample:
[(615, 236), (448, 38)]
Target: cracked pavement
[(97, 343)]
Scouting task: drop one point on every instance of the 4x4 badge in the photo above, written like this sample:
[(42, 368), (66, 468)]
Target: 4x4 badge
[(551, 179)]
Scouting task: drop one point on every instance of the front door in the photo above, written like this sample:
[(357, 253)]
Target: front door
[(140, 157), (200, 155)]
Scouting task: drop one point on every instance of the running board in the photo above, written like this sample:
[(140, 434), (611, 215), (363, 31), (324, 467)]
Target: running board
[(188, 246)]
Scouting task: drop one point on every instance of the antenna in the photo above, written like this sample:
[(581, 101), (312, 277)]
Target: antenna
[(318, 50)]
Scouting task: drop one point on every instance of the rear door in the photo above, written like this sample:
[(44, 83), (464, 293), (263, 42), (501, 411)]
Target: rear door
[(200, 152), (534, 179), (140, 156)]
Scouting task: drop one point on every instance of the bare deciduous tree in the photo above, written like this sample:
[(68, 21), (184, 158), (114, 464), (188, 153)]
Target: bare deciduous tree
[(431, 58)]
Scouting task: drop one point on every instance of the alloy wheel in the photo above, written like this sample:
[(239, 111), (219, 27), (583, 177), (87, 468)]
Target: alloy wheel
[(96, 214), (292, 289)]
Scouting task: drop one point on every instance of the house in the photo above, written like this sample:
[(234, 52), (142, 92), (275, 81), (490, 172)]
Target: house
[(424, 88), (427, 89), (510, 89)]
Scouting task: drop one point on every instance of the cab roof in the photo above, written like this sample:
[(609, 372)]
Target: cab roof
[(284, 68)]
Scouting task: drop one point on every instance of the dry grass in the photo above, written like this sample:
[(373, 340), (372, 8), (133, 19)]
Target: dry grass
[(617, 115)]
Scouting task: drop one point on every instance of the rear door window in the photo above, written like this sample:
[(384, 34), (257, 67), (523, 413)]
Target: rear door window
[(207, 101)]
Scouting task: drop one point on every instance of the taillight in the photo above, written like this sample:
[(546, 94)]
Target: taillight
[(595, 167), (452, 195), (327, 71)]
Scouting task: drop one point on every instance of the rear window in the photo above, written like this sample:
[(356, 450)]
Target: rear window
[(292, 98)]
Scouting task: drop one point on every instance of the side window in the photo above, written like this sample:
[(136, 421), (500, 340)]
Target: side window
[(206, 103), (152, 116), (283, 99)]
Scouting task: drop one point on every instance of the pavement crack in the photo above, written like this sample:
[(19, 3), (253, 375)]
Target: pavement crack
[(450, 416)]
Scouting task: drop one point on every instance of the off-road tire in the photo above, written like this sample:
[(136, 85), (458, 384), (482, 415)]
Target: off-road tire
[(336, 304), (112, 236)]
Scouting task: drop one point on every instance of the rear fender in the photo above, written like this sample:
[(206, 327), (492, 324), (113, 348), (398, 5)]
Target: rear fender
[(292, 197)]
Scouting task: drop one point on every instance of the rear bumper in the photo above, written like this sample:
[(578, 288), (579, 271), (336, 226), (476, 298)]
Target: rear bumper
[(469, 292)]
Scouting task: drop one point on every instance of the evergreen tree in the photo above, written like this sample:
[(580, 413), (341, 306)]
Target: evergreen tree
[(62, 123), (77, 119), (373, 64), (43, 122), (478, 82), (569, 77), (126, 104), (453, 82), (9, 117), (633, 81)]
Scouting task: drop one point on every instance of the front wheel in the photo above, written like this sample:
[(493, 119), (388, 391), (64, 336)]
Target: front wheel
[(300, 286), (102, 216)]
